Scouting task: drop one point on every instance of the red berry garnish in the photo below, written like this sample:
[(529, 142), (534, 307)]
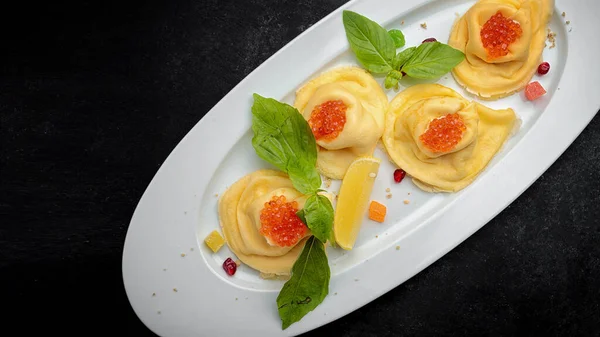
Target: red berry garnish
[(544, 68), (229, 266), (399, 174), (431, 39)]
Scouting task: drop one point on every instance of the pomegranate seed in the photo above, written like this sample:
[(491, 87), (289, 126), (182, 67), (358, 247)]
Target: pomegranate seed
[(544, 68), (229, 266), (399, 174), (431, 39)]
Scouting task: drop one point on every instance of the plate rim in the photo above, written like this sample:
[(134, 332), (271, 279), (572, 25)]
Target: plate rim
[(547, 153)]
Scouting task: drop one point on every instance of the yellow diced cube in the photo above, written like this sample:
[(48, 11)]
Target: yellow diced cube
[(214, 241)]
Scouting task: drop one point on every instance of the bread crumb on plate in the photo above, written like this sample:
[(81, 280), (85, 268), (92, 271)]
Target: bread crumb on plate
[(552, 38)]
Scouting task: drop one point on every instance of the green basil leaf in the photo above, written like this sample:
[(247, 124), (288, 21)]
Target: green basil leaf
[(301, 215), (283, 138), (402, 57), (398, 37), (432, 60), (318, 213), (392, 78), (307, 287), (371, 43)]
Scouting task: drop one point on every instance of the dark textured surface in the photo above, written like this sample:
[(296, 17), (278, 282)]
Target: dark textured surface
[(95, 95)]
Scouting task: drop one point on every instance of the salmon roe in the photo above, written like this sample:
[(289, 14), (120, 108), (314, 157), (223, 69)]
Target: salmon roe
[(498, 33), (443, 133), (327, 120), (280, 223)]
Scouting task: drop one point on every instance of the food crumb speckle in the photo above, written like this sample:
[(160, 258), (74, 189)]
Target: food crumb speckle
[(402, 22), (372, 174), (408, 193), (387, 189), (182, 254), (164, 269), (153, 294), (406, 201), (355, 280), (174, 290), (216, 195), (397, 247), (238, 263), (327, 183), (335, 293), (564, 14), (376, 236), (191, 249), (158, 312), (424, 25), (552, 38), (389, 196), (568, 22), (184, 212), (236, 298)]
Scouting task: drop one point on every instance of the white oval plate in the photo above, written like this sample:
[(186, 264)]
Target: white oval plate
[(177, 295)]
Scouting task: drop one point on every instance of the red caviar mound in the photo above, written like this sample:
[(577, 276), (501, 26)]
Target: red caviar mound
[(443, 133), (534, 90), (327, 120), (498, 33), (280, 223)]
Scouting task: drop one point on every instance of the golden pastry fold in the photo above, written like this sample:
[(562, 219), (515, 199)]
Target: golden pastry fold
[(492, 76), (365, 104), (239, 214), (442, 140)]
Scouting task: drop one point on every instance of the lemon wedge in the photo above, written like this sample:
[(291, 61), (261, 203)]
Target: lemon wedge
[(354, 199)]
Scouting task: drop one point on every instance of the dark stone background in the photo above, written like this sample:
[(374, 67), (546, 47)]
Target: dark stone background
[(94, 96)]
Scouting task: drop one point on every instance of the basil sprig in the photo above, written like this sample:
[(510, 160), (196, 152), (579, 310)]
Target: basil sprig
[(431, 60), (308, 286), (398, 38), (373, 46), (283, 138), (375, 49)]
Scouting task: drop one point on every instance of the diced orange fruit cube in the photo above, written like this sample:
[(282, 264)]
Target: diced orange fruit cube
[(377, 211), (214, 241), (534, 90)]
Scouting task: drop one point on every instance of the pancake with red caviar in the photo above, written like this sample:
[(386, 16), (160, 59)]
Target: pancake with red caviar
[(258, 218), (345, 109), (442, 140), (503, 41)]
